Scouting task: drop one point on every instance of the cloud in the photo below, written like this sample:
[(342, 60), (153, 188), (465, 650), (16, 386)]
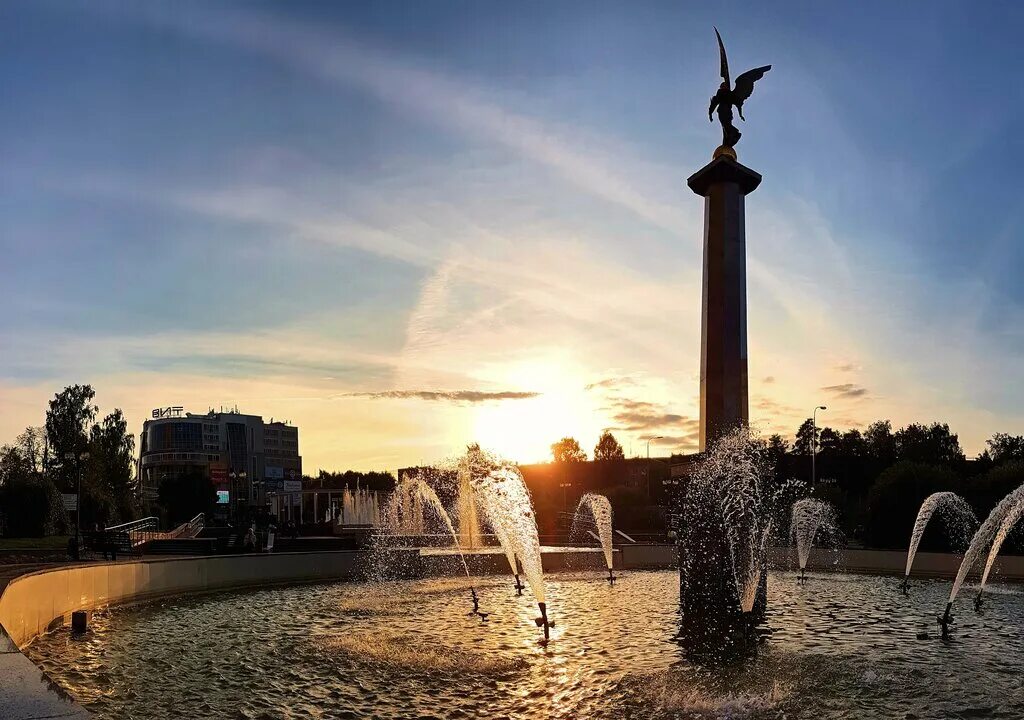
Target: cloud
[(639, 415), (847, 367), (607, 383), (458, 396), (768, 380), (846, 390)]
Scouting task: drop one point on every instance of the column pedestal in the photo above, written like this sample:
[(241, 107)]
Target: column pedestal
[(723, 183)]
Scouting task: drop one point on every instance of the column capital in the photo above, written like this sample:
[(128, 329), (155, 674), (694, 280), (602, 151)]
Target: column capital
[(723, 169)]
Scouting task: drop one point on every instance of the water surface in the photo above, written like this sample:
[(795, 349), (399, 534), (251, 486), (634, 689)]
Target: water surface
[(841, 646)]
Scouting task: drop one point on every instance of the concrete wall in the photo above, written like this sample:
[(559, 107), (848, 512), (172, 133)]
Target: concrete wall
[(1009, 568)]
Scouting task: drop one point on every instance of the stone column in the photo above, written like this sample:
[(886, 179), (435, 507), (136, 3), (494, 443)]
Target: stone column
[(723, 183)]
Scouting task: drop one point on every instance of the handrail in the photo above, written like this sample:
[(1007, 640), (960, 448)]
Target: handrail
[(139, 531), (188, 529), (146, 523)]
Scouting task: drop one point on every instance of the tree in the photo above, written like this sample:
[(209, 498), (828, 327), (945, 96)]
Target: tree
[(30, 504), (880, 443), (111, 461), (777, 445), (567, 450), (853, 445), (1003, 447), (933, 444), (829, 441), (805, 437), (67, 426), (897, 495), (608, 448)]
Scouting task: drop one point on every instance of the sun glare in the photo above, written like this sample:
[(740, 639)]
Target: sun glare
[(524, 430)]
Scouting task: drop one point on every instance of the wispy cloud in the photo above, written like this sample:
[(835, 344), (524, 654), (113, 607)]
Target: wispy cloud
[(846, 390), (458, 396)]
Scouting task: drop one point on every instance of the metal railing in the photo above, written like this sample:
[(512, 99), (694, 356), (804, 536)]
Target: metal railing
[(191, 528), (139, 532)]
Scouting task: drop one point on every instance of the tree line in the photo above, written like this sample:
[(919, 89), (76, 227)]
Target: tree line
[(74, 445)]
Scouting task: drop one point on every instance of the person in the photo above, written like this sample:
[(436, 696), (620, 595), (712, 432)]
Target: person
[(250, 539)]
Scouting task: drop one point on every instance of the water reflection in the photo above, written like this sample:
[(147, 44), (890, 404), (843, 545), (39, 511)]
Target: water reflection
[(841, 646)]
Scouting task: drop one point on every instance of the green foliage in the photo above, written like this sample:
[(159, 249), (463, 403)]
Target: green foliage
[(928, 444), (897, 495), (111, 462), (567, 450), (608, 448), (30, 504), (880, 443), (1003, 447), (805, 437), (67, 429)]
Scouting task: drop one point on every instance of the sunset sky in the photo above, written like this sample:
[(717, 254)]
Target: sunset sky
[(406, 226)]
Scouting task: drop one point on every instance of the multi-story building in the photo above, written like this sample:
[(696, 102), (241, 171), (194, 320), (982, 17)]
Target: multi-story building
[(243, 457)]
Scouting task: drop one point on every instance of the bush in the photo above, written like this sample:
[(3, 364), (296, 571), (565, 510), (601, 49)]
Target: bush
[(32, 508)]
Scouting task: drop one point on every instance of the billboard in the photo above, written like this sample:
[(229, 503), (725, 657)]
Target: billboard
[(223, 497), (274, 473), (292, 486)]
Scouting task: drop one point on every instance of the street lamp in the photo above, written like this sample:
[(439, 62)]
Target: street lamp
[(656, 437), (814, 441), (564, 485), (81, 457)]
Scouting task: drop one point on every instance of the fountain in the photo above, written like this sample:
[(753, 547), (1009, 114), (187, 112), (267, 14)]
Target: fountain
[(360, 507), (727, 520), (416, 490), (982, 539), (506, 502), (957, 517), (810, 516), (1009, 522), (595, 511)]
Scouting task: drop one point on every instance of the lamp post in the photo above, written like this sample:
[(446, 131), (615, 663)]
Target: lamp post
[(565, 507), (814, 441), (80, 457), (656, 437)]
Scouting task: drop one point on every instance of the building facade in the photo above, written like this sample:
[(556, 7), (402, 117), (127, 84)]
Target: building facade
[(242, 456)]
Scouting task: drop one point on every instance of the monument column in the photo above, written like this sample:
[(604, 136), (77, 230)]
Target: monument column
[(723, 183)]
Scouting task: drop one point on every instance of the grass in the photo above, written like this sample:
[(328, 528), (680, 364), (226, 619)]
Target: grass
[(51, 542)]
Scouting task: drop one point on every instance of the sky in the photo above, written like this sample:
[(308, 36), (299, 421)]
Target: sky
[(406, 227)]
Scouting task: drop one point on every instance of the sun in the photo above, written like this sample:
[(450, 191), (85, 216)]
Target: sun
[(523, 430)]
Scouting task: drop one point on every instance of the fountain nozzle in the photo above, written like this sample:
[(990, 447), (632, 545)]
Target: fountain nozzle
[(978, 601), (543, 621), (476, 606), (803, 578), (905, 588), (611, 577), (946, 619), (519, 585)]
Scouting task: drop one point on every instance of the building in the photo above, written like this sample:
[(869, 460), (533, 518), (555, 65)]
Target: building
[(242, 456)]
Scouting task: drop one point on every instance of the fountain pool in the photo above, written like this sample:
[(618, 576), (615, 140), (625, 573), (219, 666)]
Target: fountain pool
[(839, 646)]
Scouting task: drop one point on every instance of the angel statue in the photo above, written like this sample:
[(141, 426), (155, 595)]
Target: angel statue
[(725, 98)]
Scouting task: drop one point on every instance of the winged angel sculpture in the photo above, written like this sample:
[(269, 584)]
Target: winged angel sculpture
[(725, 99)]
